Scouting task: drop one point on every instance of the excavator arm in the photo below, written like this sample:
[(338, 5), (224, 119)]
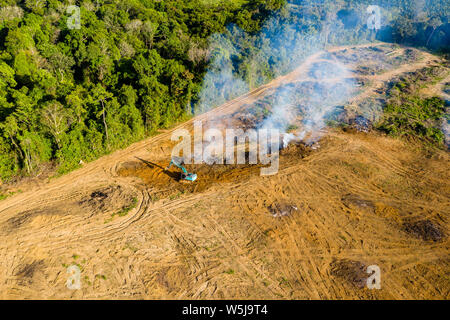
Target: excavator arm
[(178, 165)]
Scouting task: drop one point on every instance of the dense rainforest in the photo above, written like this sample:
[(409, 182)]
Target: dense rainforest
[(73, 94)]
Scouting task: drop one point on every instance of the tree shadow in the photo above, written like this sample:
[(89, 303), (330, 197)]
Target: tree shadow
[(174, 175)]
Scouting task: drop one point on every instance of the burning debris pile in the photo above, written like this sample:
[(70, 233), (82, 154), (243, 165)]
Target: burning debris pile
[(355, 201), (326, 70)]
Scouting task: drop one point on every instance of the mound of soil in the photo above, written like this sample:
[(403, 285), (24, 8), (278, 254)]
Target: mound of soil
[(296, 149), (424, 229), (249, 121), (26, 272), (106, 199), (325, 70), (354, 272), (282, 209), (352, 201)]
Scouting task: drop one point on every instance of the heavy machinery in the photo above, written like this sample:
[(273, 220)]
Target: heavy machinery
[(185, 176)]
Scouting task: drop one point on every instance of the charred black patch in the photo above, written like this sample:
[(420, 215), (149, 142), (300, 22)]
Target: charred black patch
[(27, 271), (352, 200), (282, 209)]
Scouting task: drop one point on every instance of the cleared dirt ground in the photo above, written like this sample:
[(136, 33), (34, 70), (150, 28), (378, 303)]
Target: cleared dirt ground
[(308, 232)]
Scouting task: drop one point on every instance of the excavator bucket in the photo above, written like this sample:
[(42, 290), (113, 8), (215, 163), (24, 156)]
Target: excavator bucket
[(189, 177)]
